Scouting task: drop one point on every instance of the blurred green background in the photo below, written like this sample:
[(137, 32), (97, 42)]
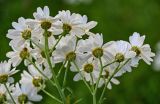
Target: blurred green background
[(117, 19)]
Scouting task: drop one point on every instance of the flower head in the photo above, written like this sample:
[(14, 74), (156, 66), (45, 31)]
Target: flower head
[(6, 72), (143, 51), (25, 94)]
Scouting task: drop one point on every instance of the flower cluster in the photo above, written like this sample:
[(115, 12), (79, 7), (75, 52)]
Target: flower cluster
[(44, 42)]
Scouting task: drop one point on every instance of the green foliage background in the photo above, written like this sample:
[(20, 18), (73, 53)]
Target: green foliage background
[(117, 19)]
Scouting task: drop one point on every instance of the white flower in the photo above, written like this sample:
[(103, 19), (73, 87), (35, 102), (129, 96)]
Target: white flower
[(34, 78), (43, 21), (5, 98), (88, 69), (18, 54), (107, 73), (21, 34), (6, 72), (73, 23), (25, 94), (143, 51), (65, 50), (87, 26), (121, 53), (93, 47)]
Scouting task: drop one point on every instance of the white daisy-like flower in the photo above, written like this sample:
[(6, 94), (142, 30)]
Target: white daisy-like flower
[(106, 74), (65, 50), (94, 47), (87, 26), (6, 72), (143, 51), (34, 78), (72, 23), (4, 96), (25, 94), (88, 69), (19, 54), (121, 53), (43, 21), (21, 34)]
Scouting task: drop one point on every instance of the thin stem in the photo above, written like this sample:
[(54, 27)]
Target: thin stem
[(41, 72), (108, 64), (51, 68), (65, 75), (53, 97), (106, 84), (82, 77), (60, 70), (94, 98), (101, 70), (92, 81), (52, 49), (9, 93)]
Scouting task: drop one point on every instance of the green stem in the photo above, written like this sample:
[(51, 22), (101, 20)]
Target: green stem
[(51, 68), (53, 97), (65, 75), (56, 43), (94, 98), (109, 64), (99, 77), (60, 70), (106, 84), (9, 93), (92, 81), (82, 77), (41, 72)]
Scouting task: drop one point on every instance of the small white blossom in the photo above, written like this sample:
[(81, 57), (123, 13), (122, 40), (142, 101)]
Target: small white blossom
[(94, 47), (34, 78), (88, 69), (21, 34), (107, 73), (18, 55), (43, 21), (6, 72), (121, 53), (143, 51), (25, 94), (72, 23), (66, 50)]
